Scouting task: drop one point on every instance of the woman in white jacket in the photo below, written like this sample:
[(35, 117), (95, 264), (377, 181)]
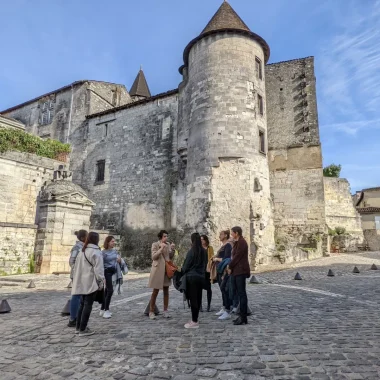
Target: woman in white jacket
[(88, 278)]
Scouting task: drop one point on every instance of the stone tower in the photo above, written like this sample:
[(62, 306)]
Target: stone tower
[(222, 129)]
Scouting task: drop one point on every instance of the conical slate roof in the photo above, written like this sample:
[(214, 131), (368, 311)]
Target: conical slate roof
[(140, 86), (225, 18)]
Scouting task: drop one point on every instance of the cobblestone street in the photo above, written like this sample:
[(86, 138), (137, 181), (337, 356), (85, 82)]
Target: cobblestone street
[(318, 328)]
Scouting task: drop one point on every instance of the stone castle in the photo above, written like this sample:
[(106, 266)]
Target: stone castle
[(237, 143)]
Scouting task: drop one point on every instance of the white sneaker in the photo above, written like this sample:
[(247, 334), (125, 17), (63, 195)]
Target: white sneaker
[(224, 316), (221, 312), (101, 313), (107, 314)]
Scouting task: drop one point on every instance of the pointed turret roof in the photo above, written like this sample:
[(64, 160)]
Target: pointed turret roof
[(140, 86), (225, 20)]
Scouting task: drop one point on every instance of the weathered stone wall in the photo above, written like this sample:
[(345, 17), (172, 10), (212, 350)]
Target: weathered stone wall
[(70, 108), (6, 122), (372, 238), (139, 178), (295, 159), (21, 178), (340, 211), (220, 126)]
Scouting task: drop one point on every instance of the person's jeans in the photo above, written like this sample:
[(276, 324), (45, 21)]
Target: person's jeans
[(108, 273), (84, 311), (154, 298), (194, 288), (225, 292), (235, 300), (74, 306), (240, 286)]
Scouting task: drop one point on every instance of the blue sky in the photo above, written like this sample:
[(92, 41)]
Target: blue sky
[(47, 44)]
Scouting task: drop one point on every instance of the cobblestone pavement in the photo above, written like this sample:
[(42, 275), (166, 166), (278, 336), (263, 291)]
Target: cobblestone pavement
[(318, 328)]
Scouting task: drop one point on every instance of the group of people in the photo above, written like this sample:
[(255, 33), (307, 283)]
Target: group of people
[(229, 268), (96, 273)]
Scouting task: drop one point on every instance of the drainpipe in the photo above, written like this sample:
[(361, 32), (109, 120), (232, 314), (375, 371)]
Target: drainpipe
[(71, 111)]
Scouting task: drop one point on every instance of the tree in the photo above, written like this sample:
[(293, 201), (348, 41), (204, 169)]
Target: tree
[(332, 171)]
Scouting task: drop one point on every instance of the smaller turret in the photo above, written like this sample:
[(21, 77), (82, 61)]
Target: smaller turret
[(140, 89)]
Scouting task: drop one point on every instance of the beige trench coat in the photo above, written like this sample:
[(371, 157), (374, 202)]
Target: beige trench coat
[(88, 276), (158, 278)]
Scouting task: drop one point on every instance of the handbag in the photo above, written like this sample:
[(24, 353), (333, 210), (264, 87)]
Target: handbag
[(170, 268)]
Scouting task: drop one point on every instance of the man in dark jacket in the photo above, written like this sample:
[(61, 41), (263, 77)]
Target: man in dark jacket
[(239, 268)]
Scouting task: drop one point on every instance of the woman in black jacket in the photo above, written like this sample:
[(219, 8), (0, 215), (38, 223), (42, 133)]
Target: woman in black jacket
[(194, 268)]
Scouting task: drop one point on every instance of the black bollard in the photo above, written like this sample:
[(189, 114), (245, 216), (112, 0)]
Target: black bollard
[(4, 307), (70, 285), (66, 309), (356, 270), (146, 311), (254, 280), (373, 267), (31, 285), (298, 277), (330, 273)]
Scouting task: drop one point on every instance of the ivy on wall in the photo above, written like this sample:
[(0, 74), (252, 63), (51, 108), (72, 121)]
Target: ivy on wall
[(13, 139)]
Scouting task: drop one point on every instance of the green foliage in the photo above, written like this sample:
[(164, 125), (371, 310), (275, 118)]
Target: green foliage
[(337, 231), (31, 264), (332, 171), (340, 230), (13, 139)]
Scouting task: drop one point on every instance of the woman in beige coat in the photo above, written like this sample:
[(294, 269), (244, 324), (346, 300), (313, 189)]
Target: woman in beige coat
[(88, 278), (161, 252)]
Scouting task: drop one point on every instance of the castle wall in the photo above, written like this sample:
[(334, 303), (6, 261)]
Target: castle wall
[(219, 124), (69, 109), (21, 178), (138, 149), (295, 158)]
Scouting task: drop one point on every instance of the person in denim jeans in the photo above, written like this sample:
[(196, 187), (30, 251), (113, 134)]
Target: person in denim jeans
[(75, 299), (110, 258)]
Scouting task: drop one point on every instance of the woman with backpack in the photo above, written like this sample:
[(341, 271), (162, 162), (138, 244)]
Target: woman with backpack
[(88, 279)]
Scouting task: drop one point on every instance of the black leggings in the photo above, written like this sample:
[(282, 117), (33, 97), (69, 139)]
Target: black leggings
[(84, 311), (208, 289), (194, 288), (108, 273)]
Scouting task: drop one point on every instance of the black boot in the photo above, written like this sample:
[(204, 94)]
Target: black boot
[(241, 321), (208, 308), (236, 319), (72, 323)]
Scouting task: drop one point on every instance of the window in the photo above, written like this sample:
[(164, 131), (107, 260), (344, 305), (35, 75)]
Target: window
[(259, 68), (47, 112), (100, 167), (260, 104), (377, 222), (105, 130), (262, 141)]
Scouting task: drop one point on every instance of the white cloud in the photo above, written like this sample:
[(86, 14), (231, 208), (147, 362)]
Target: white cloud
[(349, 64), (352, 127)]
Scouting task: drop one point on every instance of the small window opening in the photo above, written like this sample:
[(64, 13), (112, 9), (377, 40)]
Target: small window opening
[(260, 104), (262, 141), (259, 68), (105, 130), (100, 167)]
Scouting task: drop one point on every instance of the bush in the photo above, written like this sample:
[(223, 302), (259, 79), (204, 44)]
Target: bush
[(332, 171), (16, 140), (340, 230)]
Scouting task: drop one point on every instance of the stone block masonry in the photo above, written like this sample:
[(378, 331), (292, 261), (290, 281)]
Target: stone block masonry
[(21, 178)]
